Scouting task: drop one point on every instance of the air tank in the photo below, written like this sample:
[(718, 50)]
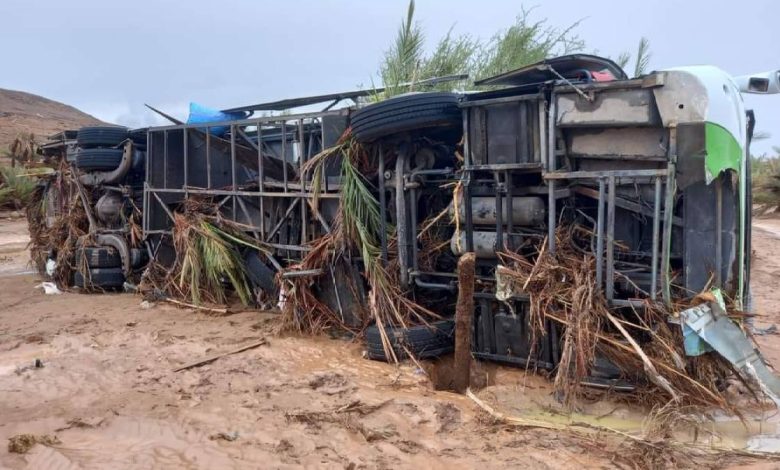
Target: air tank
[(526, 211)]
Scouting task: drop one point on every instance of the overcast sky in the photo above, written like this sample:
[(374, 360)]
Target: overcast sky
[(108, 58)]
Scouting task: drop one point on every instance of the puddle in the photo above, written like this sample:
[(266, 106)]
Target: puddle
[(764, 444), (756, 433)]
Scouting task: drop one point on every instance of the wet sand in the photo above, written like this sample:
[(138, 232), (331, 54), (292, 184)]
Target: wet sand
[(108, 392)]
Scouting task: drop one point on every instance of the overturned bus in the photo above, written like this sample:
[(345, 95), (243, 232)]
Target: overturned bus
[(652, 171)]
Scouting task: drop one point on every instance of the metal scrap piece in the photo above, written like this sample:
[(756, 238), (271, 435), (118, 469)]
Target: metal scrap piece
[(712, 325)]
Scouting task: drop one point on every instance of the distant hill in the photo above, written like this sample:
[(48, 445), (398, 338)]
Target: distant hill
[(25, 112)]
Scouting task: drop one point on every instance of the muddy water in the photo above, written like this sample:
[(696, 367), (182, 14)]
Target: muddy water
[(107, 391), (14, 258), (756, 432)]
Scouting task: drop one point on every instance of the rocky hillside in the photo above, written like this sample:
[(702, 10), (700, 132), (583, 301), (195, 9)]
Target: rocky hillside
[(25, 112)]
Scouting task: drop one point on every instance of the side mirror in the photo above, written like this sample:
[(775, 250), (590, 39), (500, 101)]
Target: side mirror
[(766, 83)]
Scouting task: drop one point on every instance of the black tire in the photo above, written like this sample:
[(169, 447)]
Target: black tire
[(99, 159), (99, 257), (406, 113), (138, 137), (103, 278), (421, 341), (138, 258), (103, 136)]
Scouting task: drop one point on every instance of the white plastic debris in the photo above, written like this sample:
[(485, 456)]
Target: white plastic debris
[(282, 298), (51, 265), (49, 288)]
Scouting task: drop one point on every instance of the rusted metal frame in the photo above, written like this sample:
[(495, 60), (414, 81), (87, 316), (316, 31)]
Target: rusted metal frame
[(246, 138), (543, 135), (382, 202), (165, 159), (466, 187), (509, 209), (656, 236), (281, 246), (666, 242), (85, 202), (412, 236), (600, 236), (233, 164), (336, 292), (224, 200), (208, 157), (533, 166), (260, 177), (252, 121), (322, 220), (293, 185), (273, 261), (284, 155), (223, 192), (536, 142), (332, 104), (606, 174), (624, 203), (551, 167), (502, 100), (242, 205), (284, 218), (310, 148), (185, 148), (145, 220), (301, 163), (402, 229), (148, 166), (165, 207), (630, 158), (610, 276), (499, 190)]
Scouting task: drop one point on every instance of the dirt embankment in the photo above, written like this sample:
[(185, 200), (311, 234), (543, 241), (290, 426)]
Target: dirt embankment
[(106, 394), (25, 112)]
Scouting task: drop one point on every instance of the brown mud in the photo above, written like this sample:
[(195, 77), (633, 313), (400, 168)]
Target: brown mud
[(107, 391)]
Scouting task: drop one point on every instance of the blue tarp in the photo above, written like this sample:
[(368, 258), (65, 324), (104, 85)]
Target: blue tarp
[(202, 115)]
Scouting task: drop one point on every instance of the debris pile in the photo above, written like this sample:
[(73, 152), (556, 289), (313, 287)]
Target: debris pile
[(209, 263), (56, 238), (355, 234), (640, 340)]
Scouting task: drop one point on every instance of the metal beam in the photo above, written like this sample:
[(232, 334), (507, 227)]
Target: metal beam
[(624, 203), (281, 105), (564, 175)]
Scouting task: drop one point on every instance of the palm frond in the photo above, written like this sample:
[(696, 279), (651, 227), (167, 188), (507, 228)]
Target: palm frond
[(643, 56), (402, 61), (453, 55), (208, 259), (523, 43), (623, 59), (16, 187)]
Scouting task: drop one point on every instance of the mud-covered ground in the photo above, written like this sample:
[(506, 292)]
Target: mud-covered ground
[(108, 393)]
